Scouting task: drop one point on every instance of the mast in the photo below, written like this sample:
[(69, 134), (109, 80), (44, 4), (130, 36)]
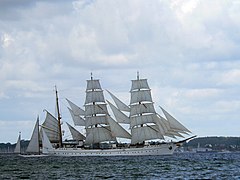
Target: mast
[(59, 119), (142, 113), (97, 125)]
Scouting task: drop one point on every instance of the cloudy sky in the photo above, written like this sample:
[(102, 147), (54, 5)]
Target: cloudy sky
[(189, 50)]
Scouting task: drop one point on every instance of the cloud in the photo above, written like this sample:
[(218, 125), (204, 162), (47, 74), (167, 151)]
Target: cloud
[(188, 50)]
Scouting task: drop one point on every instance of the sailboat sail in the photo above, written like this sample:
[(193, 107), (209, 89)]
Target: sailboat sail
[(18, 145), (33, 146), (119, 115), (117, 130), (75, 133), (174, 123), (121, 106), (142, 114), (51, 128), (77, 120), (97, 127), (76, 109)]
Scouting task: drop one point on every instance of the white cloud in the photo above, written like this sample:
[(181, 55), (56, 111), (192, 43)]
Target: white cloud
[(189, 51)]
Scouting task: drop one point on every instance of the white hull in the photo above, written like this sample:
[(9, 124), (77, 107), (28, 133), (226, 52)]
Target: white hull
[(33, 155), (162, 149)]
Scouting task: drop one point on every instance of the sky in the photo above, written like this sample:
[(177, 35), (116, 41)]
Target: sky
[(187, 49)]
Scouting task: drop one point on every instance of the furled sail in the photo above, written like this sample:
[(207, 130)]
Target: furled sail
[(18, 145), (97, 127), (77, 120), (76, 135), (117, 130), (119, 115), (77, 111), (50, 126), (121, 106), (174, 124), (33, 146)]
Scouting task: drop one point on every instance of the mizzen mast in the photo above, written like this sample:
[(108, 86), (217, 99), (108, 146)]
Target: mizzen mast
[(59, 119)]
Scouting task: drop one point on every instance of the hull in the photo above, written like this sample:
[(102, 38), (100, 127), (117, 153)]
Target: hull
[(162, 149), (32, 155)]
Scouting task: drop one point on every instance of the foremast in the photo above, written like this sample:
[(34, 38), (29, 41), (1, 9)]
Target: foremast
[(96, 114)]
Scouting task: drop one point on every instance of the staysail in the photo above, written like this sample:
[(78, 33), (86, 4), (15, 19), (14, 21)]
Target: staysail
[(174, 124), (117, 130), (76, 135), (119, 115), (121, 106), (76, 109), (33, 146), (77, 119)]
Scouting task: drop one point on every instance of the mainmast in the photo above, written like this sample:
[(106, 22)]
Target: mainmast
[(142, 113), (59, 119)]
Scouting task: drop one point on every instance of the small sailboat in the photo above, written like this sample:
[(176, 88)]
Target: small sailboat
[(17, 149), (33, 149)]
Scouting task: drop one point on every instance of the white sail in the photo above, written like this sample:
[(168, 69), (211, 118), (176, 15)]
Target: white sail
[(164, 124), (99, 134), (94, 96), (94, 120), (117, 130), (76, 109), (33, 146), (139, 84), (120, 116), (76, 135), (144, 133), (138, 120), (50, 126), (137, 109), (93, 84), (174, 123), (139, 96), (46, 145), (97, 126), (92, 109), (121, 106), (18, 145), (77, 120)]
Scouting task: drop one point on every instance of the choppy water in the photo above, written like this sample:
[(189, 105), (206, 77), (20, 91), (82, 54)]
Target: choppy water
[(177, 166)]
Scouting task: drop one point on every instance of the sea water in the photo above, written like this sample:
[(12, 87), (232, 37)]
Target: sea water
[(177, 166)]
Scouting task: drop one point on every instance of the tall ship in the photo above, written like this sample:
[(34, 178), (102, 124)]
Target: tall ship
[(132, 130)]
